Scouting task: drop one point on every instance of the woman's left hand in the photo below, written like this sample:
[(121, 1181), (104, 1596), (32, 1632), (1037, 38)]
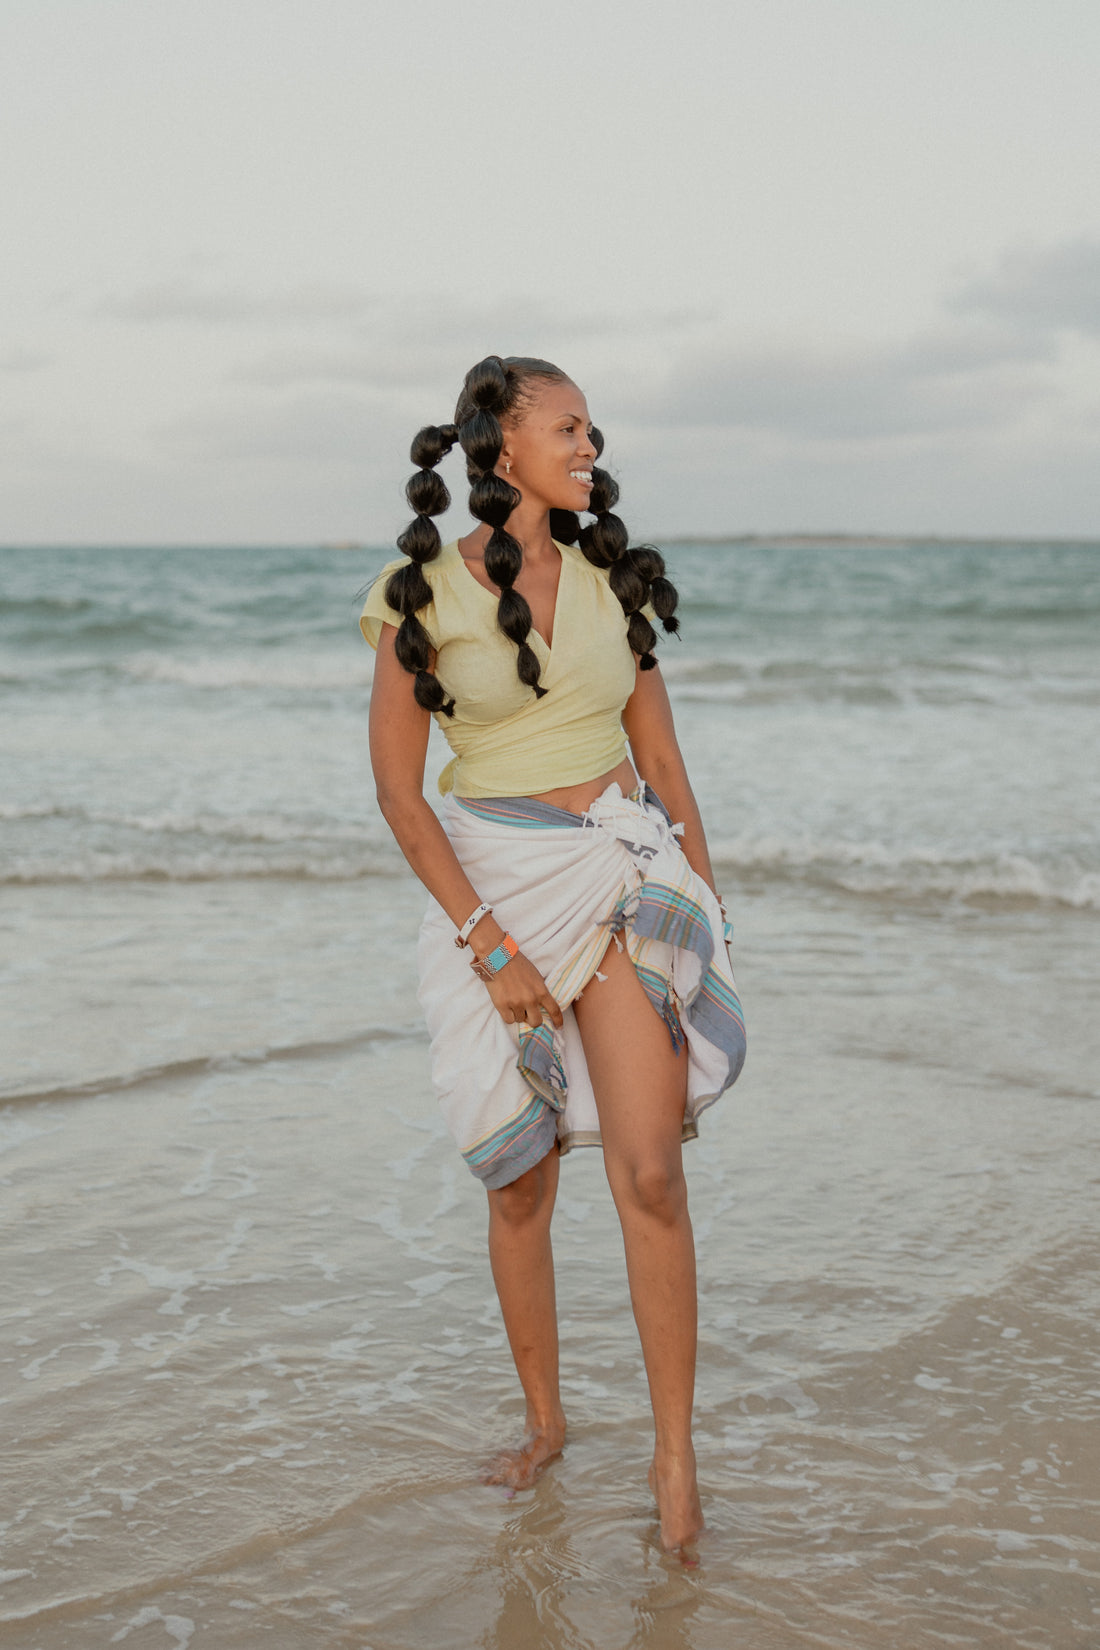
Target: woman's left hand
[(520, 995)]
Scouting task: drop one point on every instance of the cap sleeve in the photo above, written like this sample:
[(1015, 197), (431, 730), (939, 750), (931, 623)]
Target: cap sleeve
[(376, 609)]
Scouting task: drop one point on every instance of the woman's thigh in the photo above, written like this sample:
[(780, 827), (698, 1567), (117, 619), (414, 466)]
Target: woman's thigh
[(638, 1078)]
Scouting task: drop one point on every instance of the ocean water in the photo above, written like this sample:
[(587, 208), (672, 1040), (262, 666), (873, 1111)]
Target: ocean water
[(249, 1351)]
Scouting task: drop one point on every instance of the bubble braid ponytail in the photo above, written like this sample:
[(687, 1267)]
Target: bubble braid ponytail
[(487, 393), (407, 590), (636, 575)]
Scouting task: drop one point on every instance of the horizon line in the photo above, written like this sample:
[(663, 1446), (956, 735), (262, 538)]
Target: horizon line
[(795, 537)]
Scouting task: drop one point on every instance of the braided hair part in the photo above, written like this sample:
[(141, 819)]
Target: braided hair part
[(407, 589)]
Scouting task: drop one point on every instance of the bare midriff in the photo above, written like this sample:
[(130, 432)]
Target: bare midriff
[(576, 799)]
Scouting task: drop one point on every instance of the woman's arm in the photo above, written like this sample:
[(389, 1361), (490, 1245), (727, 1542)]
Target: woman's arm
[(398, 744), (647, 719)]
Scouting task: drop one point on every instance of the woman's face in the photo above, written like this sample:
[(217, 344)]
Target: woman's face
[(550, 449)]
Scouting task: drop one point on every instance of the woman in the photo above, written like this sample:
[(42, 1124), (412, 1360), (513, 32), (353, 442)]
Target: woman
[(560, 873)]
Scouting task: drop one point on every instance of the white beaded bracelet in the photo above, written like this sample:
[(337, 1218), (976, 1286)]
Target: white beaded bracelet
[(471, 923)]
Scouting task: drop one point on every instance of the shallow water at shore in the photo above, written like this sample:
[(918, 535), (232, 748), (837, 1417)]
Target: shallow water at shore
[(250, 1357)]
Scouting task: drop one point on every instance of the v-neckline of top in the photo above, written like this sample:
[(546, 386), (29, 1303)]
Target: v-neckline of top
[(493, 597)]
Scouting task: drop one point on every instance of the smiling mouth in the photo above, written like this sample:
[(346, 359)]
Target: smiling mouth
[(581, 475)]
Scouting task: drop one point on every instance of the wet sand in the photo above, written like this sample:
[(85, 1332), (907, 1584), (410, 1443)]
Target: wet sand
[(251, 1358)]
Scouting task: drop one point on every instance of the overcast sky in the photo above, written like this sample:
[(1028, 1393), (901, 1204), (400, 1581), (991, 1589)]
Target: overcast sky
[(817, 264)]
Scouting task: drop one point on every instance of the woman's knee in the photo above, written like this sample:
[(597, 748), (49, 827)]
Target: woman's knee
[(528, 1199), (652, 1186)]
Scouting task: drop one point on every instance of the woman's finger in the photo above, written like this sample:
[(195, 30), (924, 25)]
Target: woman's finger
[(557, 1018), (514, 1014)]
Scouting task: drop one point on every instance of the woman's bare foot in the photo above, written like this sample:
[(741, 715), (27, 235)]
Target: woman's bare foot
[(518, 1468), (676, 1491)]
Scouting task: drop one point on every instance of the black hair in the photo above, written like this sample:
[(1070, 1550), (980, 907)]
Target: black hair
[(407, 589), (500, 388)]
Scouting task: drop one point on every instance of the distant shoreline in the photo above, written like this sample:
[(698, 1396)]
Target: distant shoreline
[(801, 540), (869, 541)]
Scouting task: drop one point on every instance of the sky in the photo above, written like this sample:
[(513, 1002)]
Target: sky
[(818, 265)]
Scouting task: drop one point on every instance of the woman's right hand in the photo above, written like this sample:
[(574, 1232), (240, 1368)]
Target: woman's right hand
[(520, 995)]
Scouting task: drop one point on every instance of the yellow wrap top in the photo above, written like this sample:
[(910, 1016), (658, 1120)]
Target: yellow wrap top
[(507, 742)]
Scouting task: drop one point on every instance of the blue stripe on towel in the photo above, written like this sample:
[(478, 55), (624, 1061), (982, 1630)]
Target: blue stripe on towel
[(516, 1146), (523, 811), (715, 1013)]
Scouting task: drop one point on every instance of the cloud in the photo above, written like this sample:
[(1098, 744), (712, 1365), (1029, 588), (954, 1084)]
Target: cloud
[(439, 320), (998, 355), (327, 428), (1042, 289), (952, 378), (972, 372), (301, 402), (184, 301), (419, 344), (23, 360), (430, 342)]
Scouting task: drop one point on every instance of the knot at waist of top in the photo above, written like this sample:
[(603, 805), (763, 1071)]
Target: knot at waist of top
[(643, 828)]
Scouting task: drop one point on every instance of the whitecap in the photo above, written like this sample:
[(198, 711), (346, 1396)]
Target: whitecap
[(1013, 1541), (431, 1283), (297, 673), (179, 1628)]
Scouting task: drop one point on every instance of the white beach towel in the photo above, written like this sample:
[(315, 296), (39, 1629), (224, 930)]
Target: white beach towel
[(563, 885)]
